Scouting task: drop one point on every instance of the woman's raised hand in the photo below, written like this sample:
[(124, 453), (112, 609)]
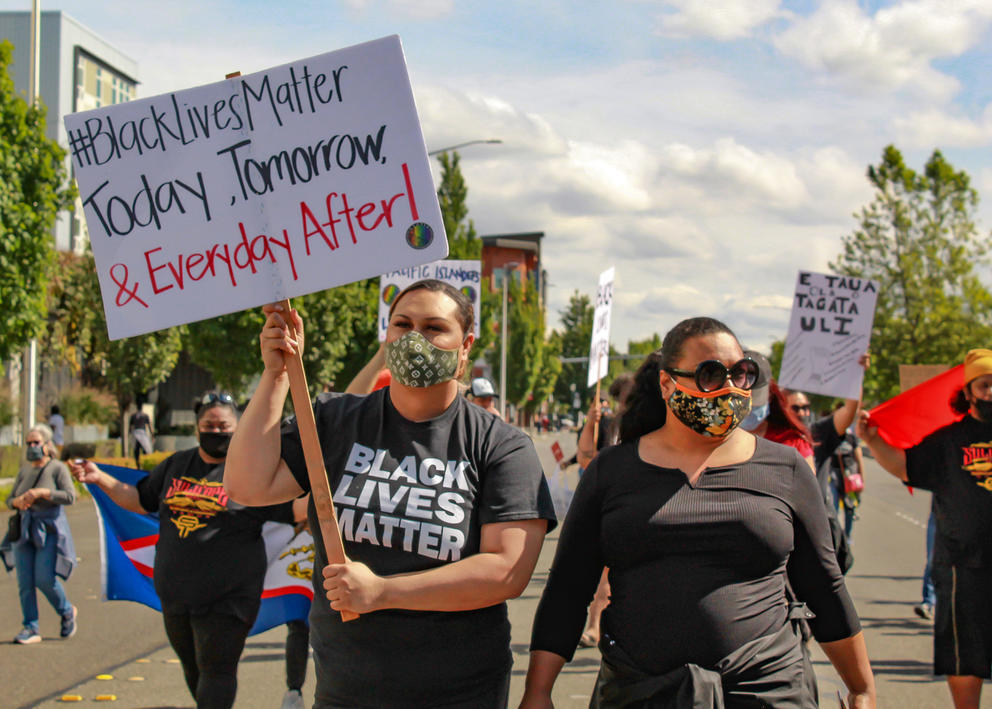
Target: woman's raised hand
[(277, 338)]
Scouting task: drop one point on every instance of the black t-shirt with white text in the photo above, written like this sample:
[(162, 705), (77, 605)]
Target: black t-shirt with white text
[(210, 552), (412, 496), (955, 463)]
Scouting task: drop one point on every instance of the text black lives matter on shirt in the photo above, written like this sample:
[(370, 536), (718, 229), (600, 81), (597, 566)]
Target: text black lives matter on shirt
[(417, 503)]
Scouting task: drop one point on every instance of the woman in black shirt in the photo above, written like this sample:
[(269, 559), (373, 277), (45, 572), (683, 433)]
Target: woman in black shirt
[(210, 557), (700, 524)]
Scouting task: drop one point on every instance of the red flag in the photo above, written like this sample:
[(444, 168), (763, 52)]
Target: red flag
[(906, 419)]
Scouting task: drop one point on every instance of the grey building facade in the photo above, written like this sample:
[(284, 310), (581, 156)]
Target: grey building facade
[(79, 71)]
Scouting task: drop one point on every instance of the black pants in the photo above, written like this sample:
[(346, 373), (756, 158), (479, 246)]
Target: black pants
[(297, 653), (209, 646)]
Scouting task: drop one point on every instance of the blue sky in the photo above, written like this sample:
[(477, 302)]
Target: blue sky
[(707, 148)]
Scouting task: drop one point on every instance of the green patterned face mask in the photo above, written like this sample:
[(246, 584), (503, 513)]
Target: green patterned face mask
[(414, 362)]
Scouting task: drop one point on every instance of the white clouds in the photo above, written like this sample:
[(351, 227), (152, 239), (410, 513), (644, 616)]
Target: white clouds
[(410, 9), (891, 50), (938, 129), (737, 169), (718, 19)]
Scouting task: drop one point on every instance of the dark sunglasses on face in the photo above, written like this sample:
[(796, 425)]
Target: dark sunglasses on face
[(800, 408), (712, 374)]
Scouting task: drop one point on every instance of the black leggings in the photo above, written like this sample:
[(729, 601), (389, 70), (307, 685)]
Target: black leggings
[(209, 646), (297, 653)]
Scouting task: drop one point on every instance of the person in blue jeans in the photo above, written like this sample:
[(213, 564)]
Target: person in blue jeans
[(44, 553), (926, 606)]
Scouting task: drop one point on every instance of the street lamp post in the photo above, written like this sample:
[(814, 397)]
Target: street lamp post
[(507, 267), (489, 141)]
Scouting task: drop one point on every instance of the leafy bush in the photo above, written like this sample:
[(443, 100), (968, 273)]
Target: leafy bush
[(148, 462), (82, 405), (6, 406)]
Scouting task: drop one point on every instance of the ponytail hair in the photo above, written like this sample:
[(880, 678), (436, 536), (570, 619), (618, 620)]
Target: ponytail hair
[(959, 402), (645, 410)]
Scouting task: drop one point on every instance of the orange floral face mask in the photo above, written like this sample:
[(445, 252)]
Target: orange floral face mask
[(715, 413)]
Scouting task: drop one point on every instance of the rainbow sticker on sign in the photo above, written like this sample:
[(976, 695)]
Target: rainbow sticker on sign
[(419, 235), (469, 292), (389, 293)]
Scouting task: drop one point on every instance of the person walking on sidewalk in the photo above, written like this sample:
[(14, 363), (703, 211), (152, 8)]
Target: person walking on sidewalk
[(955, 464), (44, 552)]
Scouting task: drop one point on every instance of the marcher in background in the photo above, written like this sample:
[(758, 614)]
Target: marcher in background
[(847, 467), (450, 534), (44, 553), (601, 412), (57, 424), (210, 557), (928, 602), (484, 394), (955, 464), (141, 435), (700, 524), (297, 631)]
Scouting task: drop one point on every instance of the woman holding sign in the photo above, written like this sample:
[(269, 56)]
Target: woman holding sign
[(442, 507), (700, 524)]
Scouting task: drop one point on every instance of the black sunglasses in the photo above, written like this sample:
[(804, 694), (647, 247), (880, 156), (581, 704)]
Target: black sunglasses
[(800, 408), (215, 397), (711, 374)]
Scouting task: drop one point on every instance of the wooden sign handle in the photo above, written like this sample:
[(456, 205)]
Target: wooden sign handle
[(320, 488)]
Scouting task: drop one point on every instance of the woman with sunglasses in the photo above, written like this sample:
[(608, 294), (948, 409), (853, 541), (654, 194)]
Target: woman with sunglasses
[(210, 557), (700, 524), (442, 506), (44, 551)]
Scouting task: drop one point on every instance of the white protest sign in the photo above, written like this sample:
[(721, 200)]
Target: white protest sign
[(465, 276), (251, 190), (829, 330), (599, 348)]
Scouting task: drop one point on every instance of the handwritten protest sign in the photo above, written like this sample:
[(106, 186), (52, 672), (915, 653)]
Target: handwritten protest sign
[(251, 190), (829, 329), (599, 348), (463, 275)]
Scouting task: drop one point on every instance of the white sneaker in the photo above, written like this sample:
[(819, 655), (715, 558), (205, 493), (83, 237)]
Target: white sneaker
[(293, 699)]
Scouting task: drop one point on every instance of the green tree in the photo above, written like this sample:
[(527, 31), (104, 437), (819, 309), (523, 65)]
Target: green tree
[(227, 347), (574, 338), (33, 191), (918, 239), (463, 243), (525, 350), (77, 334)]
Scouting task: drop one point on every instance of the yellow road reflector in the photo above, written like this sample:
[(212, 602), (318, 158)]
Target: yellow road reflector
[(135, 679), (143, 660), (104, 677), (106, 697), (70, 698), (173, 661)]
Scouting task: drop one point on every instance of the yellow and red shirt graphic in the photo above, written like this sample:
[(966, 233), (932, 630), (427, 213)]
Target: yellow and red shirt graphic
[(193, 502), (977, 460)]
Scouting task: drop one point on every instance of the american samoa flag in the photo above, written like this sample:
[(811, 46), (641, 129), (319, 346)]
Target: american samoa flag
[(127, 559)]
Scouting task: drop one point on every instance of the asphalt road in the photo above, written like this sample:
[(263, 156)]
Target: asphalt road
[(127, 642)]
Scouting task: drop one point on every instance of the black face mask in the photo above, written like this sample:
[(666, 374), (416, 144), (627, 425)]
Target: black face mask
[(34, 453), (215, 444), (983, 409)]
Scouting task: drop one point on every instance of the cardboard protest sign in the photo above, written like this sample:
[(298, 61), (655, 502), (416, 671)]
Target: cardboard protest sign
[(465, 276), (255, 189), (599, 348), (829, 329)]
